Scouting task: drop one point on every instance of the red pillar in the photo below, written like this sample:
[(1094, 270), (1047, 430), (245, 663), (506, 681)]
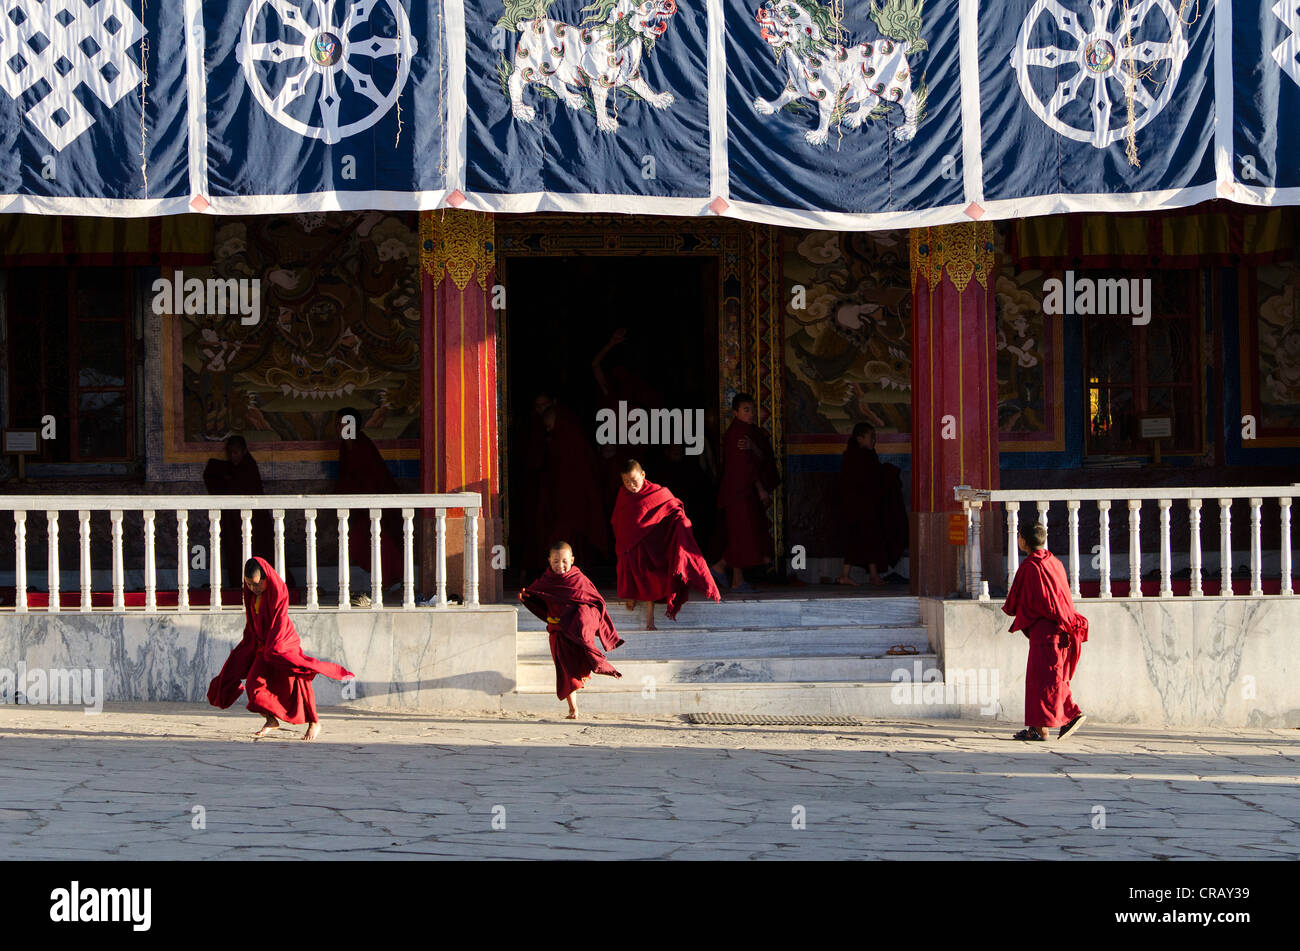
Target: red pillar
[(954, 390), (458, 422)]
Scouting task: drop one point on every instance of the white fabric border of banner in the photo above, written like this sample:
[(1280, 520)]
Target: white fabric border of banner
[(968, 75), (1224, 111), (457, 101), (196, 98), (719, 164)]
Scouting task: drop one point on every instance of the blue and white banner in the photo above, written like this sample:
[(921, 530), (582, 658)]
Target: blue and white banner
[(852, 114), (93, 119)]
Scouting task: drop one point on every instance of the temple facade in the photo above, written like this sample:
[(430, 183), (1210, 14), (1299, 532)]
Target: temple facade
[(1056, 352)]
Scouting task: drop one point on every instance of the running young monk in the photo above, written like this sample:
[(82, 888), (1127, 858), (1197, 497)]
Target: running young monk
[(658, 558), (270, 660), (576, 619), (1040, 602)]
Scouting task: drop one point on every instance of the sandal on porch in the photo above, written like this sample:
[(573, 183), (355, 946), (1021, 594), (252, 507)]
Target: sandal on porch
[(1028, 734), (902, 649)]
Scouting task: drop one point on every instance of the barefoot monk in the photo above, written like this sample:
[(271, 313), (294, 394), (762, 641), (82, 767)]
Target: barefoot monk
[(270, 661)]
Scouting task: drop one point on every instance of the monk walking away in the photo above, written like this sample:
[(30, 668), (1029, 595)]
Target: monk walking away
[(269, 660), (580, 628), (1040, 603), (658, 557)]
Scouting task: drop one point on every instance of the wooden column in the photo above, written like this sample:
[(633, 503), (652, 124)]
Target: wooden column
[(954, 392), (458, 420)]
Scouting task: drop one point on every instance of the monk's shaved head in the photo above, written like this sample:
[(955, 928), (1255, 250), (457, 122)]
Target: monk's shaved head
[(632, 466), (1034, 534), (560, 546), (252, 570)]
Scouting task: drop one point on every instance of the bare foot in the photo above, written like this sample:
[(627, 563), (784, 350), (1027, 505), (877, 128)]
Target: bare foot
[(573, 715), (845, 579), (313, 731), (630, 605), (271, 724)]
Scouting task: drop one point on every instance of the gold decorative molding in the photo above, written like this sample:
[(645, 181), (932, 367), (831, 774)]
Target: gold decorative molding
[(964, 250), (458, 244)]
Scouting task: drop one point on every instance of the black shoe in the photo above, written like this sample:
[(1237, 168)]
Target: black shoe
[(1071, 726)]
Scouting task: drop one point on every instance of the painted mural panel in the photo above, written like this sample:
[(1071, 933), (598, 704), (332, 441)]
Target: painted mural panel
[(848, 348), (339, 327)]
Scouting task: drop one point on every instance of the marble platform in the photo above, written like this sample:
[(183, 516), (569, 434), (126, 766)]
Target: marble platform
[(1185, 661), (427, 659)]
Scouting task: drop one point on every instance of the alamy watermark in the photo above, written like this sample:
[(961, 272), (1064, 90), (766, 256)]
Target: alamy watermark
[(75, 686), (1099, 297), (976, 686), (656, 427), (210, 297)]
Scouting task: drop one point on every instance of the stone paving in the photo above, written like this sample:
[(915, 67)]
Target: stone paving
[(126, 783)]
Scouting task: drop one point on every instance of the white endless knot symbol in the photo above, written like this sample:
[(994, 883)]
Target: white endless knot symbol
[(325, 71), (1288, 11), (60, 45)]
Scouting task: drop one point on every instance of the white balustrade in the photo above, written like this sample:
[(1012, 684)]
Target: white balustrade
[(1166, 550), (52, 563), (1135, 548), (1103, 547), (182, 561), (144, 546), (1166, 500)]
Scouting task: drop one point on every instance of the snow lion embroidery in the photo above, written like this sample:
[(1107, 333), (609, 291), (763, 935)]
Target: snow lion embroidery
[(587, 65), (848, 84)]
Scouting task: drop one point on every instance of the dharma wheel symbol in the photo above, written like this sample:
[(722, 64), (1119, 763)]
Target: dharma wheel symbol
[(1136, 49), (323, 76)]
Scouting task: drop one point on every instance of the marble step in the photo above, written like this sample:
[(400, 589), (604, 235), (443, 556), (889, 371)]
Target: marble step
[(883, 701), (677, 644), (637, 674), (730, 614)]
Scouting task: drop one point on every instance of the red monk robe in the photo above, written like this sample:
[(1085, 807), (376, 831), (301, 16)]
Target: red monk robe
[(562, 465), (1041, 605), (362, 471), (270, 660), (873, 530), (747, 462), (576, 620), (658, 558)]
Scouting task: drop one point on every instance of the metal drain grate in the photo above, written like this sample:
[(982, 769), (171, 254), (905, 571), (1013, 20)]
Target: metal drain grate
[(758, 719)]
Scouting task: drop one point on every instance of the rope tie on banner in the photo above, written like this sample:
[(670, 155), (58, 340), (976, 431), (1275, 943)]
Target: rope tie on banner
[(144, 85), (398, 140), (1133, 75)]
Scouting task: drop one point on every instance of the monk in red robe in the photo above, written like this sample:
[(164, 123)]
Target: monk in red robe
[(269, 660), (237, 474), (749, 475), (562, 466), (580, 628), (873, 522), (658, 559), (1040, 603), (362, 471)]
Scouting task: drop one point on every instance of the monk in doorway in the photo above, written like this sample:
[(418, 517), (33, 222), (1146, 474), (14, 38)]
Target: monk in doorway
[(580, 629), (1040, 603), (749, 475), (269, 660), (658, 558), (873, 522)]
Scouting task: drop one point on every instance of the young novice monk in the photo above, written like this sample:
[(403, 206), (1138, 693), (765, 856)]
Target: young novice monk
[(658, 559), (576, 619), (1040, 602), (270, 660)]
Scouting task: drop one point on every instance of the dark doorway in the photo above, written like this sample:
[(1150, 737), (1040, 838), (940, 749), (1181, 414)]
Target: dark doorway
[(561, 312)]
